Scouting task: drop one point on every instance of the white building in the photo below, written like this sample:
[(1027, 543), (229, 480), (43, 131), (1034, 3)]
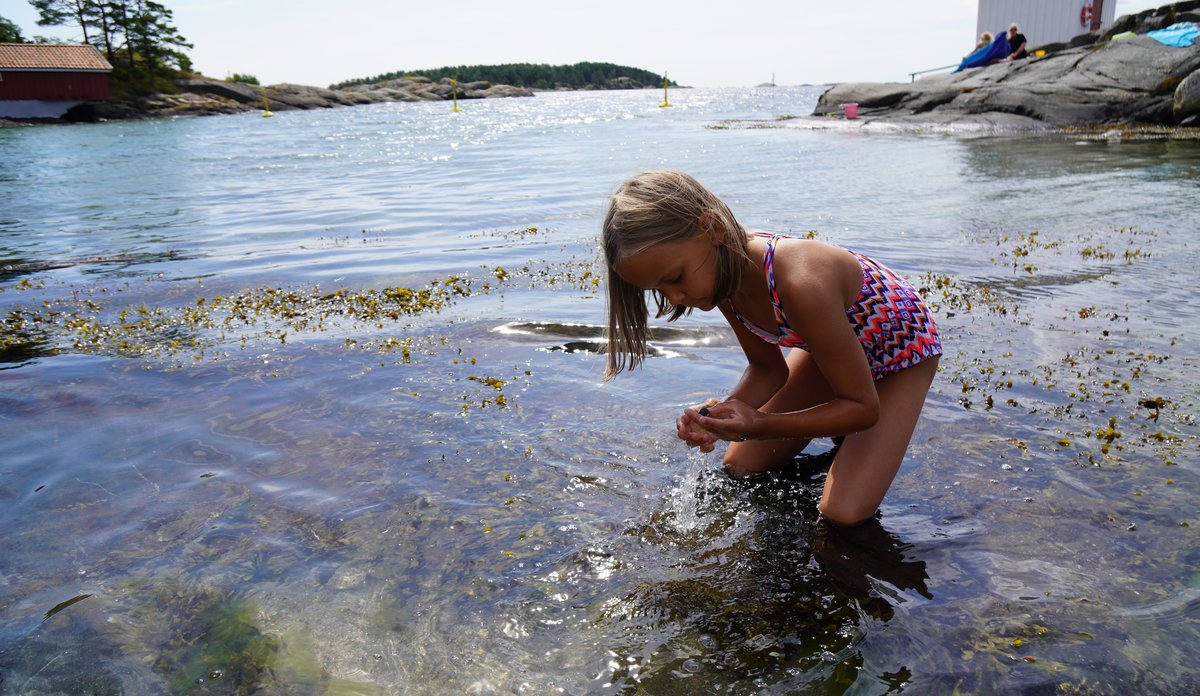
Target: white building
[(1045, 21)]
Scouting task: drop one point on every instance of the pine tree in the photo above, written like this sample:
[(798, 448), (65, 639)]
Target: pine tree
[(9, 32), (139, 31)]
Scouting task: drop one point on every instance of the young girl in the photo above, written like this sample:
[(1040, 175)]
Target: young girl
[(868, 346)]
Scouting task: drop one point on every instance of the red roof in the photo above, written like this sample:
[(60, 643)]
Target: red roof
[(51, 57)]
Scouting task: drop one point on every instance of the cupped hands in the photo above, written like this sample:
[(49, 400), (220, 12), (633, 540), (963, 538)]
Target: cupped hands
[(732, 420)]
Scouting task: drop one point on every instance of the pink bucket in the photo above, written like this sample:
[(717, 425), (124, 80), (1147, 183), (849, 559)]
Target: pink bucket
[(850, 110)]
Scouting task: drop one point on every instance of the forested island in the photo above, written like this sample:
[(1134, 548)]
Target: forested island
[(532, 76), (153, 76), (194, 94)]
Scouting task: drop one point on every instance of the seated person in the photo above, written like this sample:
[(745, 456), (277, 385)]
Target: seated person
[(993, 52), (1016, 43), (984, 39)]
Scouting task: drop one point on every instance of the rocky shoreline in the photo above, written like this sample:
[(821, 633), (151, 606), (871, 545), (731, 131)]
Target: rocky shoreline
[(1093, 80), (202, 96)]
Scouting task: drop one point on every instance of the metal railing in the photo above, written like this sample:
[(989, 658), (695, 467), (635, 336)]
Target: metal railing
[(912, 76)]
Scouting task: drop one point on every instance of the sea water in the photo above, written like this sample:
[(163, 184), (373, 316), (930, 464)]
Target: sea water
[(683, 498), (313, 404)]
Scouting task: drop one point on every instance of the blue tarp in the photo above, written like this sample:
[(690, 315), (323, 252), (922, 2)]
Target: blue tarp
[(1182, 35), (997, 50)]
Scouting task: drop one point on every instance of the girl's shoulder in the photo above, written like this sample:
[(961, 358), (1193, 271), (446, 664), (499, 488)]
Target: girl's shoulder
[(804, 258), (801, 263), (807, 248)]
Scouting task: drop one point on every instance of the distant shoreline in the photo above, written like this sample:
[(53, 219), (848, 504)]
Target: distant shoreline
[(204, 96)]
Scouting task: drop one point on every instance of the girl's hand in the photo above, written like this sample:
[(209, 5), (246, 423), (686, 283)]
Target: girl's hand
[(731, 420), (688, 428)]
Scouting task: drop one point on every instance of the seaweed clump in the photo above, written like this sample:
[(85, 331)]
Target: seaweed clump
[(81, 324), (214, 644)]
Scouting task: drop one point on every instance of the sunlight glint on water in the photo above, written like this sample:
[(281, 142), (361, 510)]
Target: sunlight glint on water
[(685, 496)]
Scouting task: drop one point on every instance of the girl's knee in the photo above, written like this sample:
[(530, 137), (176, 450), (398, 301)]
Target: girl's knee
[(749, 458), (738, 467), (846, 513)]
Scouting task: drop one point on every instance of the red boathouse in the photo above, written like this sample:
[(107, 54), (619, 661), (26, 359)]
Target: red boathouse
[(44, 80)]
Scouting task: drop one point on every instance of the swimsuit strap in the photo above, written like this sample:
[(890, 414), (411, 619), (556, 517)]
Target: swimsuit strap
[(785, 336)]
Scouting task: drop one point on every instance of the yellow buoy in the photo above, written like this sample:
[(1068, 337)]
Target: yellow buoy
[(266, 105), (665, 102), (454, 93)]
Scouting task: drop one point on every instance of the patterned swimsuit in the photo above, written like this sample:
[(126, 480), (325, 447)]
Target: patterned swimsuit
[(892, 324)]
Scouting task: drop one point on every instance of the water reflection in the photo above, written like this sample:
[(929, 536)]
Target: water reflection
[(1052, 157), (872, 566), (15, 267), (124, 264), (766, 595), (18, 347), (665, 341)]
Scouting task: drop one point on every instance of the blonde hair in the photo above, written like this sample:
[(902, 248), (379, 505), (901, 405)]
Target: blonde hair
[(652, 208), (985, 37)]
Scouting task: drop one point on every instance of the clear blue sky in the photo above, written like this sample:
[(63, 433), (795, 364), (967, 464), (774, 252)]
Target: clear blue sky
[(737, 43)]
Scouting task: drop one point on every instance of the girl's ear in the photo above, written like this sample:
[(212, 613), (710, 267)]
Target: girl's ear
[(710, 225)]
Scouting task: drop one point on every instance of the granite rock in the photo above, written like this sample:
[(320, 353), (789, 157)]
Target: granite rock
[(1092, 80), (201, 96), (1186, 105)]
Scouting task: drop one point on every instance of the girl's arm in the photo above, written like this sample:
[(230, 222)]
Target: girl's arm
[(817, 283), (766, 370), (839, 357)]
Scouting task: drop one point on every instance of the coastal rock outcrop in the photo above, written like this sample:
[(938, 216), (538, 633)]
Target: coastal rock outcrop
[(1186, 106), (1091, 80), (201, 96), (423, 89)]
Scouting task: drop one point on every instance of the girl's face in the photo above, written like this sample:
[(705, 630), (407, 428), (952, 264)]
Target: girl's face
[(684, 272)]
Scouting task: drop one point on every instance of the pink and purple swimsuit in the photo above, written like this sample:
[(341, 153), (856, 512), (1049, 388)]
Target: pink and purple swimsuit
[(892, 324)]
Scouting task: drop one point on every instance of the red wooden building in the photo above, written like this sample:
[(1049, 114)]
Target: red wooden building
[(44, 80)]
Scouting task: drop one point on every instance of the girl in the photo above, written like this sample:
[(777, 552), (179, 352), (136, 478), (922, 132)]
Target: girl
[(868, 346)]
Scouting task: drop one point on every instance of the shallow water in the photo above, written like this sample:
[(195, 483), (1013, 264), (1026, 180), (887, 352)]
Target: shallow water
[(235, 456)]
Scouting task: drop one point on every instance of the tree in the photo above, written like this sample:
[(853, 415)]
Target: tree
[(9, 32), (535, 76), (149, 32), (133, 30), (55, 13)]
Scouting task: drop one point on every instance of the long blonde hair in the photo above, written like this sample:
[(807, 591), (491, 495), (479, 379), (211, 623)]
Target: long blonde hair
[(650, 208)]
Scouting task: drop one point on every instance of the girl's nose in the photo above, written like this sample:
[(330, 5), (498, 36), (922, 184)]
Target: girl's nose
[(675, 296)]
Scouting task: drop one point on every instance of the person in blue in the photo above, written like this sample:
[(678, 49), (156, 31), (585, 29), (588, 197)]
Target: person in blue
[(994, 52)]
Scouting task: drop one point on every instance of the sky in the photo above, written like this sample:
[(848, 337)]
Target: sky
[(698, 44)]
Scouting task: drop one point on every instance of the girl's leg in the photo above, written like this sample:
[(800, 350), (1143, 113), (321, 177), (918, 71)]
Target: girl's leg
[(867, 462), (805, 388)]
